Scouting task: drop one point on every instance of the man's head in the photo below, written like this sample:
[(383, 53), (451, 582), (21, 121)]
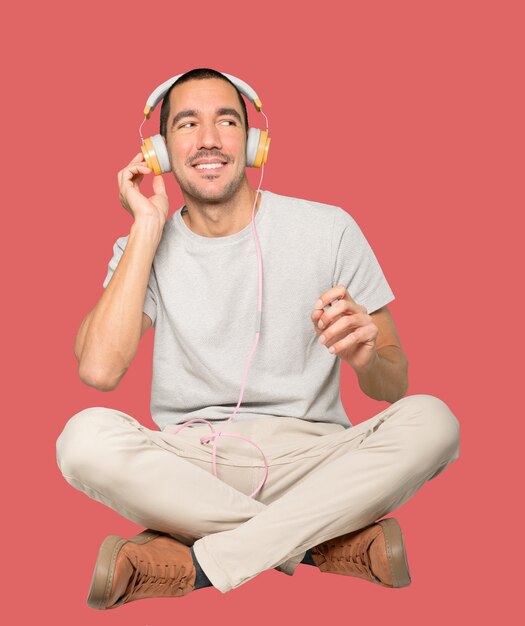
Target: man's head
[(204, 124), (197, 74)]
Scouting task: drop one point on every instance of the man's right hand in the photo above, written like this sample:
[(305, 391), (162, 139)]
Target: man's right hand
[(132, 200)]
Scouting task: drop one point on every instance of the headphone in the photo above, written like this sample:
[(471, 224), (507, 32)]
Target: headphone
[(155, 150)]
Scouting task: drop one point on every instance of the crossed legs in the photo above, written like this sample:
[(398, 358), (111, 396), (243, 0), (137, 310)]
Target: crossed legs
[(351, 479)]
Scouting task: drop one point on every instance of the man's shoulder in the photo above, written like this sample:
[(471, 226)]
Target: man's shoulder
[(307, 207)]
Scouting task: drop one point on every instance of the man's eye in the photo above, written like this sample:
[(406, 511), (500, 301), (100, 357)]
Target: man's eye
[(185, 125), (229, 122)]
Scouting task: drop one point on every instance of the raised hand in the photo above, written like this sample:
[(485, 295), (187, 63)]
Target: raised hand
[(138, 205), (347, 329)]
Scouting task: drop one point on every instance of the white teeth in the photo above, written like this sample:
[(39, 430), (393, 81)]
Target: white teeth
[(208, 166)]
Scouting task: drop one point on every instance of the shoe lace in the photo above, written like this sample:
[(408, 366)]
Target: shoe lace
[(168, 579), (339, 553)]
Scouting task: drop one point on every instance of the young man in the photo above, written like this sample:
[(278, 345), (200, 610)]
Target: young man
[(194, 278)]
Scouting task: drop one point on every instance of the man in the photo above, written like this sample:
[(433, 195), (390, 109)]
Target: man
[(193, 277)]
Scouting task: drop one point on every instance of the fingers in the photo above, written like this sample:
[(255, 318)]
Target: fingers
[(334, 293), (138, 158), (135, 168), (132, 199), (329, 324), (130, 177), (348, 329), (350, 341), (137, 162), (316, 316), (338, 329), (333, 312), (339, 292), (337, 302)]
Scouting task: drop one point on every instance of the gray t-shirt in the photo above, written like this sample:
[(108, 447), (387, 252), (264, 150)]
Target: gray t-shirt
[(202, 299)]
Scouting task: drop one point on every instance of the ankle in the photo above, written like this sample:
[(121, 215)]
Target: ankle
[(308, 559), (201, 580)]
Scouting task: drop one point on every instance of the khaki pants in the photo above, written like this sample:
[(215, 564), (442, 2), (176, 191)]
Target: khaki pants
[(323, 481)]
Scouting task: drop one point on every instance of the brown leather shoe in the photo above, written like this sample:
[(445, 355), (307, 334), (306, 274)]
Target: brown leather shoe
[(150, 565), (375, 553)]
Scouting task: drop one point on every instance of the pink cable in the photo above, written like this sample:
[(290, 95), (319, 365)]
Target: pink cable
[(216, 435)]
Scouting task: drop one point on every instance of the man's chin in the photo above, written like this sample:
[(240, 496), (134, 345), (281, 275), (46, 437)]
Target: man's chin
[(215, 196), (212, 193)]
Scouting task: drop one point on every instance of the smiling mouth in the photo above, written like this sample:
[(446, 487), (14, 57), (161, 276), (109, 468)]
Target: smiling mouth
[(209, 166)]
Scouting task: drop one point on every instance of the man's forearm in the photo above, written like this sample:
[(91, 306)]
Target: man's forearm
[(387, 378)]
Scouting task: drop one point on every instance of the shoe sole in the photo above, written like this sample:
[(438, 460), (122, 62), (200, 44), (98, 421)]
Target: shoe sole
[(102, 578), (396, 553)]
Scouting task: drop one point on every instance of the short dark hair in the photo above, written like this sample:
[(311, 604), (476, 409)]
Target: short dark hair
[(200, 73)]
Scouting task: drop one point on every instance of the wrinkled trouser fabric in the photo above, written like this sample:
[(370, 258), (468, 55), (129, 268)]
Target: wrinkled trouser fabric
[(323, 481)]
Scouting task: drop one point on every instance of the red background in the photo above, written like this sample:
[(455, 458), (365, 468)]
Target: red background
[(409, 115)]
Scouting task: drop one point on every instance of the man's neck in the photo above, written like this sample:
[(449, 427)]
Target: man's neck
[(221, 219)]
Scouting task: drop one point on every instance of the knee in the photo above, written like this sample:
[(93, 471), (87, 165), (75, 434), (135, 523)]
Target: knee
[(79, 443), (440, 429)]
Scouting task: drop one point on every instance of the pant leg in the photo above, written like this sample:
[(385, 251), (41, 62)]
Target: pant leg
[(136, 471), (370, 470), (111, 457)]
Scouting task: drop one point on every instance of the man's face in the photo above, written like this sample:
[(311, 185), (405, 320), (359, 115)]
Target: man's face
[(206, 139)]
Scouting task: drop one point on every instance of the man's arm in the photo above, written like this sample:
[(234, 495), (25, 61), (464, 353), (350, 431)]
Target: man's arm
[(108, 338), (387, 377), (81, 334)]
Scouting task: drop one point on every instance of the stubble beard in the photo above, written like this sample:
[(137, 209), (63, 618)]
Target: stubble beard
[(199, 191)]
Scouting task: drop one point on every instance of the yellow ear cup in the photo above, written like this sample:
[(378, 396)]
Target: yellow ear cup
[(262, 149), (150, 156)]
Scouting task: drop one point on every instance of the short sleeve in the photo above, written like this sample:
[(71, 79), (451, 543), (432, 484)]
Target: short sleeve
[(151, 297), (356, 266)]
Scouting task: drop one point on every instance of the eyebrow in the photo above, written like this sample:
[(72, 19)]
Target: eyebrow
[(194, 113)]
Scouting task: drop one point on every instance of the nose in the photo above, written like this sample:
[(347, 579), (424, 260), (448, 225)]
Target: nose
[(209, 136)]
